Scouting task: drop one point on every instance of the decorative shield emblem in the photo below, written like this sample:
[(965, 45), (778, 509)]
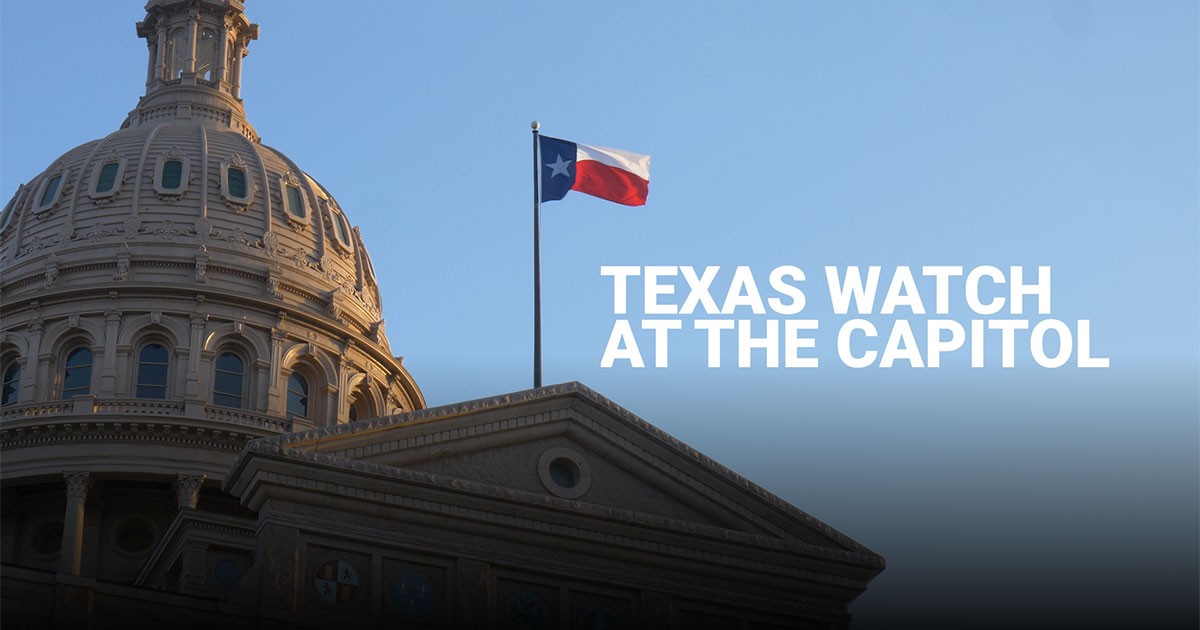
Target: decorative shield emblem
[(336, 582)]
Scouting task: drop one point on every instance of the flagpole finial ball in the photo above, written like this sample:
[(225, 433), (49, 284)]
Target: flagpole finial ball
[(535, 125)]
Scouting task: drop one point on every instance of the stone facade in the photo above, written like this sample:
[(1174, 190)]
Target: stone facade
[(203, 422)]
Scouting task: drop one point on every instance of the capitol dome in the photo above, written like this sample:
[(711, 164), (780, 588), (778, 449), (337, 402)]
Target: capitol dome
[(177, 288), (202, 423)]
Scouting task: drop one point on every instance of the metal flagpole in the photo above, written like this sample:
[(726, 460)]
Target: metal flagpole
[(537, 264)]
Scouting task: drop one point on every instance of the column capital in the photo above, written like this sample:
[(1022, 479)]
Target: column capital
[(187, 489), (77, 484)]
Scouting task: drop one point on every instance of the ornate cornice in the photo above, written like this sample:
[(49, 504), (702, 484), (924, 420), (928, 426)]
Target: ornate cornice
[(71, 431)]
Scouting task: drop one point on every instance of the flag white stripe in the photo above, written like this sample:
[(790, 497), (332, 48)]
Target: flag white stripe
[(635, 163)]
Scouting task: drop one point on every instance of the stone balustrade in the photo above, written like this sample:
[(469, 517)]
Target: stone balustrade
[(137, 407)]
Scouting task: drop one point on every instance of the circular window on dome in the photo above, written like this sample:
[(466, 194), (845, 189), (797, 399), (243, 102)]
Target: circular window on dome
[(564, 472), (134, 536), (47, 539)]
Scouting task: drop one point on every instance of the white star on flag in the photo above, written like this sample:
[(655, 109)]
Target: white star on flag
[(559, 167)]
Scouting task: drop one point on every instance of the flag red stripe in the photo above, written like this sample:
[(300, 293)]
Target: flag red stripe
[(612, 184)]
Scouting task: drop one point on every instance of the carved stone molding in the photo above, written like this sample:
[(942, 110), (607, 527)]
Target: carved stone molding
[(202, 265), (240, 426), (52, 272), (123, 262)]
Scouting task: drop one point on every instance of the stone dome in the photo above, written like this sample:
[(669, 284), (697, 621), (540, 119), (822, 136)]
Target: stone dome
[(182, 273), (186, 201)]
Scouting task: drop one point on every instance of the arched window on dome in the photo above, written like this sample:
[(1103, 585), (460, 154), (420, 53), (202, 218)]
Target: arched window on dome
[(206, 55), (297, 396), (153, 367), (341, 231), (294, 199), (237, 182), (172, 174), (7, 215), (177, 50), (107, 177), (362, 405), (48, 193), (77, 373), (229, 380), (11, 391), (172, 171)]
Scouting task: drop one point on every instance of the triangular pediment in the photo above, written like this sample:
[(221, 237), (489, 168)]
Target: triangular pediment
[(574, 466), (567, 447)]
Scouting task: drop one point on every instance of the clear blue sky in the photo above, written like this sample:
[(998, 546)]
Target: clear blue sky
[(891, 133)]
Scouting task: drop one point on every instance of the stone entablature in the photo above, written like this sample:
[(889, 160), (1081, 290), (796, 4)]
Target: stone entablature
[(192, 547), (453, 494), (433, 429)]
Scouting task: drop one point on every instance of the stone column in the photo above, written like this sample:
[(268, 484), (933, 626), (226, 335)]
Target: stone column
[(33, 367), (331, 406), (187, 490), (108, 373), (160, 54), (345, 370), (193, 31), (72, 541), (264, 386), (151, 53), (277, 387), (92, 521), (192, 387), (219, 72), (237, 71)]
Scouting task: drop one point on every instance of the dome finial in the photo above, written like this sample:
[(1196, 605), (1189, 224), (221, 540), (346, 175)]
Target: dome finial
[(195, 57)]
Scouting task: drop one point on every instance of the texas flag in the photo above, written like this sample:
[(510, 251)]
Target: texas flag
[(609, 174)]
